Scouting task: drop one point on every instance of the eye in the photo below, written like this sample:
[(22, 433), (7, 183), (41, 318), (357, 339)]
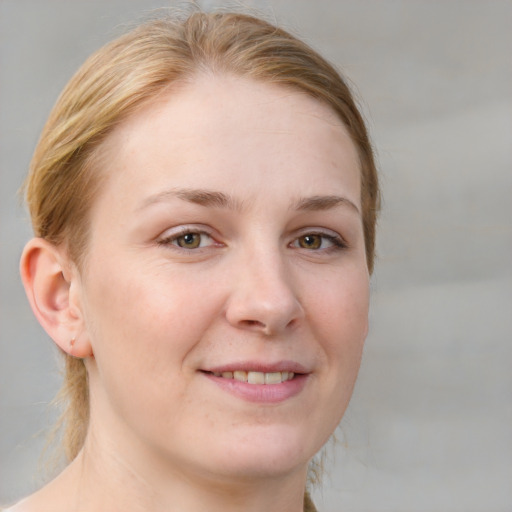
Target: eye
[(188, 239), (319, 242), (310, 241)]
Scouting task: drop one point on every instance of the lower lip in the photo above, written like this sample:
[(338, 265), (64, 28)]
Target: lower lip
[(261, 393)]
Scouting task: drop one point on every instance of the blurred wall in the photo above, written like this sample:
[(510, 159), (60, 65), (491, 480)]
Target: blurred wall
[(430, 424)]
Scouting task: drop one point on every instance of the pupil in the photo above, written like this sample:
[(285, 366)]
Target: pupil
[(190, 240), (311, 241)]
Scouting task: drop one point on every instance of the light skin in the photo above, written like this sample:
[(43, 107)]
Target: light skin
[(228, 236)]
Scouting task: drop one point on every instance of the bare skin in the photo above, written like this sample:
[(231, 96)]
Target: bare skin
[(228, 238)]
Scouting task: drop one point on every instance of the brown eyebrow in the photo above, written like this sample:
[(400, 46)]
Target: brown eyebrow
[(210, 198), (317, 203), (197, 196)]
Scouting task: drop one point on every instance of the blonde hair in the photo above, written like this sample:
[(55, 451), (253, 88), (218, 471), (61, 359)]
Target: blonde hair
[(65, 174)]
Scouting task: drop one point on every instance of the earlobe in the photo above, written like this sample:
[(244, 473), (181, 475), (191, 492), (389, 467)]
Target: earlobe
[(50, 284)]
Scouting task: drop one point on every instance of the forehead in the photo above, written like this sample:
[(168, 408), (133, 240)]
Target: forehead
[(236, 129)]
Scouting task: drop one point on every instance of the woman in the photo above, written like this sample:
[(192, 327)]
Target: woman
[(204, 199)]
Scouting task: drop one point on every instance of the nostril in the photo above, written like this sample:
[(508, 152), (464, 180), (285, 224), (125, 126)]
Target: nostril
[(263, 310), (252, 323)]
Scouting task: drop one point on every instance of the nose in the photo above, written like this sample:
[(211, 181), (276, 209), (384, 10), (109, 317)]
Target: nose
[(263, 298)]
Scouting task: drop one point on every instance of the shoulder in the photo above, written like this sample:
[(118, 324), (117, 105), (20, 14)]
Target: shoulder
[(21, 506)]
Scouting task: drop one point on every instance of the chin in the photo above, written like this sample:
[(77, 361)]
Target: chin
[(272, 452)]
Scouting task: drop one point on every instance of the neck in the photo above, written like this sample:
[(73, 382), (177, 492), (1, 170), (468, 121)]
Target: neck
[(104, 476), (114, 484), (118, 469), (127, 477)]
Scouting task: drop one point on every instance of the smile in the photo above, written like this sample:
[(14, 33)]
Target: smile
[(259, 387), (254, 377), (262, 382)]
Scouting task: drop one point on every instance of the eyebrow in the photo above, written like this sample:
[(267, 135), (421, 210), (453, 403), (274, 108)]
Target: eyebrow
[(211, 198), (318, 203), (198, 196)]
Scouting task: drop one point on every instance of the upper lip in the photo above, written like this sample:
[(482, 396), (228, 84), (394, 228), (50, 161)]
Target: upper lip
[(259, 366)]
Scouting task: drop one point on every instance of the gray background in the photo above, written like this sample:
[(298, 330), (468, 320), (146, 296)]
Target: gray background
[(430, 424)]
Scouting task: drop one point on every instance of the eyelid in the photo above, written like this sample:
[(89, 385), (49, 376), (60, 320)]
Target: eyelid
[(338, 242), (171, 235)]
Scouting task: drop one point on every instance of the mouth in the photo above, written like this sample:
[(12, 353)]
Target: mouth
[(258, 382), (255, 377)]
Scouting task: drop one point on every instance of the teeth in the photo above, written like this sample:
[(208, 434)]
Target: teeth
[(240, 375), (257, 377), (274, 378)]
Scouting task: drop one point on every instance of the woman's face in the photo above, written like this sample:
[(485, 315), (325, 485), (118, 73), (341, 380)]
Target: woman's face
[(227, 245)]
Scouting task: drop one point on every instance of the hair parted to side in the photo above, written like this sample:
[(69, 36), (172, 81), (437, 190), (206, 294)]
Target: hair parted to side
[(65, 172)]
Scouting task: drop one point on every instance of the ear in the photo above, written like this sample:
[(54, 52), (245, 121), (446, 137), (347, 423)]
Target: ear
[(52, 284)]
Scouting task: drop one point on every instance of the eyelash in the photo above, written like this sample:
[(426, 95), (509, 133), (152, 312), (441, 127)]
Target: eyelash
[(336, 241), (174, 237)]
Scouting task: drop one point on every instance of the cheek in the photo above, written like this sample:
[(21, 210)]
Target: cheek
[(143, 330), (338, 315), (341, 312), (147, 324), (141, 307), (341, 305)]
